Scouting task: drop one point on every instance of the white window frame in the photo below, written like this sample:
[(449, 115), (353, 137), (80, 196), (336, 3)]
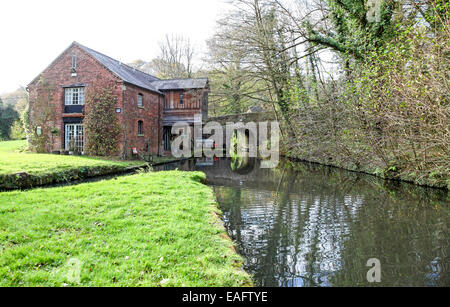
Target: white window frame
[(74, 130), (74, 96), (140, 101)]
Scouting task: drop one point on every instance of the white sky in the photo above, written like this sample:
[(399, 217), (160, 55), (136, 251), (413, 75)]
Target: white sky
[(33, 33)]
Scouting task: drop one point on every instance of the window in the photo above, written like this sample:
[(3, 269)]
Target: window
[(74, 137), (181, 98), (140, 127), (140, 102), (74, 61), (167, 136), (74, 96)]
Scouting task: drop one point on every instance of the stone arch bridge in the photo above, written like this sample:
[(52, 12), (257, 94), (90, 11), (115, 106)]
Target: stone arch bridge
[(242, 122)]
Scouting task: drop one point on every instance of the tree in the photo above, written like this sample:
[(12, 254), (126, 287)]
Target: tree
[(256, 38), (233, 88), (17, 131), (18, 100), (7, 118), (357, 83), (176, 59)]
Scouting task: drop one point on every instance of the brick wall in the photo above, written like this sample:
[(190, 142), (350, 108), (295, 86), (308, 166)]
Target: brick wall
[(150, 114)]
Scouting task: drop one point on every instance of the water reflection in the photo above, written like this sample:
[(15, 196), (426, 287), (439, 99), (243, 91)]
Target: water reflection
[(308, 225)]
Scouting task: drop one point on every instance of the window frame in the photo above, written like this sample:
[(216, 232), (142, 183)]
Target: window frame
[(69, 96), (75, 132), (140, 101), (181, 99), (140, 128), (74, 61)]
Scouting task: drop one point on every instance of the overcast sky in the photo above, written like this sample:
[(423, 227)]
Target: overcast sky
[(34, 33)]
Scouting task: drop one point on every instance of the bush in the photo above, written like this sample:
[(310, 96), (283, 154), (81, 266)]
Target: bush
[(402, 98), (17, 131)]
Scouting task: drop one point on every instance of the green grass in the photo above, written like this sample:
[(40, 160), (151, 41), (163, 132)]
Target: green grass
[(13, 146), (14, 159), (150, 229), (158, 160)]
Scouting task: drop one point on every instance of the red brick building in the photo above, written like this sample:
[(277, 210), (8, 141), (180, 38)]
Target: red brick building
[(146, 107)]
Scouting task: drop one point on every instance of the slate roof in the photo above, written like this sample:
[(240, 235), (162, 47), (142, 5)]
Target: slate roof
[(137, 77), (123, 71), (180, 84)]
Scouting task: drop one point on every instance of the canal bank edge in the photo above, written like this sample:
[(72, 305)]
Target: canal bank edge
[(383, 174), (24, 180), (217, 220)]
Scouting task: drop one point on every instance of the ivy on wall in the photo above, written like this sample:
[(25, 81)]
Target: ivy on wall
[(101, 123), (43, 118)]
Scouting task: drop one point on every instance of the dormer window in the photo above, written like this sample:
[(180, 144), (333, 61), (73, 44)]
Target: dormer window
[(140, 101)]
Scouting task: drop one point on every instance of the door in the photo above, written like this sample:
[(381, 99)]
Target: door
[(74, 138), (167, 137)]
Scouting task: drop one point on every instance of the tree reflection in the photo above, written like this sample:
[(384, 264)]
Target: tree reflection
[(308, 225)]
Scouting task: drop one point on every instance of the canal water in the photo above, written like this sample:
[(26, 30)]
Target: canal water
[(306, 225)]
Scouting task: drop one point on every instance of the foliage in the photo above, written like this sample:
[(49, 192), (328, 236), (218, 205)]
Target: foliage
[(101, 123), (390, 115), (254, 38), (167, 235), (7, 118), (44, 116), (25, 120), (233, 87), (17, 131), (402, 98), (13, 108), (357, 86), (357, 27)]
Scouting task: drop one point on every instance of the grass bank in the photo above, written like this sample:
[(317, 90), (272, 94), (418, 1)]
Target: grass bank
[(152, 229), (19, 169)]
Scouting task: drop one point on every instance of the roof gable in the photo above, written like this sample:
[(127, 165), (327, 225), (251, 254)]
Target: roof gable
[(134, 76), (123, 71)]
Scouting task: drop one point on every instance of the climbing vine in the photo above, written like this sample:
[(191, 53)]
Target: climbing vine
[(101, 123), (43, 115)]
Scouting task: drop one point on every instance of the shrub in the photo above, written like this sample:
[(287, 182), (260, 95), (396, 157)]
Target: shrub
[(101, 123)]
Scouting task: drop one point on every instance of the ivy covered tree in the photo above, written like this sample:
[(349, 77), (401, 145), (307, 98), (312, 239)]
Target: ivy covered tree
[(101, 123), (357, 26)]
